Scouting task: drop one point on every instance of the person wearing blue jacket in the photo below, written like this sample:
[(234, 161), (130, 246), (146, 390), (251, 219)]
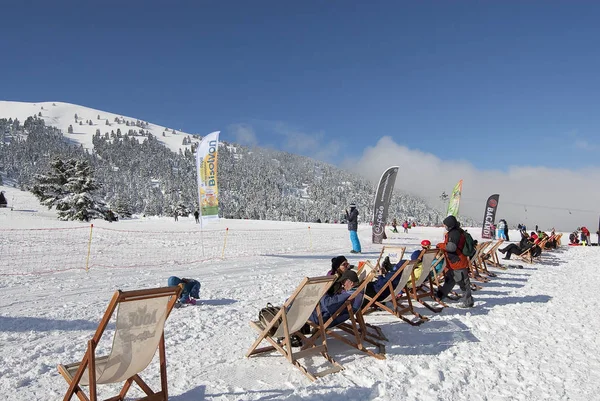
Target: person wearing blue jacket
[(191, 289), (375, 286), (330, 303)]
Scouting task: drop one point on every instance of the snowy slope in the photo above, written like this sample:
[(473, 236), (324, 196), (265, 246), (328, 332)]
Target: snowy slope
[(528, 338), (61, 115)]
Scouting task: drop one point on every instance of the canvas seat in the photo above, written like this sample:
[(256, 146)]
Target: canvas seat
[(477, 265), (354, 332), (292, 317), (393, 252), (422, 287), (490, 255), (393, 296), (139, 332)]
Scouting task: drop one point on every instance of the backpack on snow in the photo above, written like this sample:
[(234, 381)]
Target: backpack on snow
[(266, 315), (469, 247)]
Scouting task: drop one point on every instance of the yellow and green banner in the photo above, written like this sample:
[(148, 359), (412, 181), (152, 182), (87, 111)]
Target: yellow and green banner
[(455, 200), (206, 165)]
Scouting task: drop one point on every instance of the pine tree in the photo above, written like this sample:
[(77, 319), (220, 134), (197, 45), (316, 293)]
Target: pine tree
[(50, 188), (70, 187), (121, 207)]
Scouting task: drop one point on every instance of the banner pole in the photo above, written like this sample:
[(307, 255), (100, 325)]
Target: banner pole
[(87, 261)]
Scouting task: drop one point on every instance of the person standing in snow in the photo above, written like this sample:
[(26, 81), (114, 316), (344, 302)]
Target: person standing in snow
[(352, 218), (506, 230), (458, 272), (501, 229), (395, 226), (197, 216)]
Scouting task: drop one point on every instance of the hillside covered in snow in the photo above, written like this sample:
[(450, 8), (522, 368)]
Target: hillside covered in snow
[(80, 123), (143, 168)]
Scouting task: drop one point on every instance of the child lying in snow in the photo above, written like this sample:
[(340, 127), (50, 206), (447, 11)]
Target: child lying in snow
[(191, 289)]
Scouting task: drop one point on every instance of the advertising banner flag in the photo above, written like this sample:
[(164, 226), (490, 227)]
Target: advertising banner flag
[(455, 200), (206, 167), (382, 203), (489, 216)]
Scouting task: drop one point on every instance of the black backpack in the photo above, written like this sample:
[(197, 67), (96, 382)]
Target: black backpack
[(266, 315)]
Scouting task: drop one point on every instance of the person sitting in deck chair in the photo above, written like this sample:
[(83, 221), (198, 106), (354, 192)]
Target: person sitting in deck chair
[(388, 272), (191, 289), (330, 303), (339, 265), (573, 238), (524, 245)]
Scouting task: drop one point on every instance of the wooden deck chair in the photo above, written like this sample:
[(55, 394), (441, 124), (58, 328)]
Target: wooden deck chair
[(490, 255), (525, 256), (475, 267), (558, 242), (140, 322), (292, 316), (422, 287), (354, 331), (398, 309), (481, 259), (395, 253)]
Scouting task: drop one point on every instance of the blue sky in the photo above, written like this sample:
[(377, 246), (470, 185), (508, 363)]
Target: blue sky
[(494, 83)]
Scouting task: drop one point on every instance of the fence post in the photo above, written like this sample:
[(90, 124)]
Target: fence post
[(224, 243), (87, 262), (309, 239)]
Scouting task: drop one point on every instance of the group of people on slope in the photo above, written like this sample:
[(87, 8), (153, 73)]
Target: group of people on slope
[(531, 242), (582, 236), (347, 279)]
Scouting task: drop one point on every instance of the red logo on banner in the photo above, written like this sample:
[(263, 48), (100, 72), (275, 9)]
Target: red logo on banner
[(493, 203)]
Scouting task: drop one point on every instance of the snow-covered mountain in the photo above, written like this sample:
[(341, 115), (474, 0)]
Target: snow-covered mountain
[(145, 168), (62, 116)]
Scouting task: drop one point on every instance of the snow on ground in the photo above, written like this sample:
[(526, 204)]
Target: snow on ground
[(61, 115), (531, 336)]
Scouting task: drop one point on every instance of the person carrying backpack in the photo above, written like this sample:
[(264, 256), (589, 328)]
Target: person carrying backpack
[(458, 263)]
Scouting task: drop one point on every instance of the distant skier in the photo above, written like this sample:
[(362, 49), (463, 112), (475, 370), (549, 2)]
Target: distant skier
[(197, 216), (405, 226), (394, 226)]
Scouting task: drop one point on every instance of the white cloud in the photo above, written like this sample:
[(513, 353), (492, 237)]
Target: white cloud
[(285, 137), (529, 195), (315, 144), (244, 134), (580, 143)]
